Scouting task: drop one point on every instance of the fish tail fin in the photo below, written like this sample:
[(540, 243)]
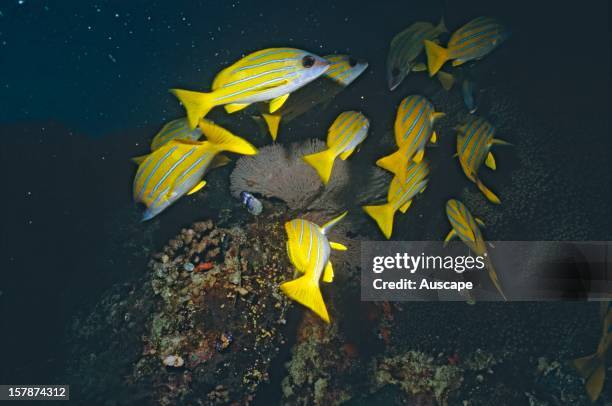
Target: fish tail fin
[(223, 140), (393, 163), (383, 215), (323, 162), (197, 104), (447, 80), (492, 197), (272, 121), (436, 56), (305, 290), (591, 368), (327, 226)]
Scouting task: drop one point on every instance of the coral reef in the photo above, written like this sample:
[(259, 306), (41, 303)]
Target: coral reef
[(201, 328)]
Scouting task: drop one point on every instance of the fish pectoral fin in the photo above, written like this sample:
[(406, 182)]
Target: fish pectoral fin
[(497, 141), (277, 103), (419, 67), (197, 187), (418, 157), (434, 138), (480, 222), (337, 246), (234, 107), (328, 273), (139, 159), (219, 161), (406, 206), (346, 154), (490, 161)]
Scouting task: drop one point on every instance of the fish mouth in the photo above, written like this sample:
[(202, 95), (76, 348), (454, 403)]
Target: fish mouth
[(394, 83)]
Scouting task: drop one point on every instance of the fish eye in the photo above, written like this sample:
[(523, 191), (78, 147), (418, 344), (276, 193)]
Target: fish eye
[(308, 61), (352, 62)]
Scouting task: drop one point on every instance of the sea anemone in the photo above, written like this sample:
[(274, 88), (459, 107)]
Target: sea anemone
[(278, 171)]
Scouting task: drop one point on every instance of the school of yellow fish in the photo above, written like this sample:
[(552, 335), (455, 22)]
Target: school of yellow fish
[(281, 78)]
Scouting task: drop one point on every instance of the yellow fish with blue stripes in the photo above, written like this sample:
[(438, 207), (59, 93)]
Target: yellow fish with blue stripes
[(175, 129), (413, 129), (309, 251), (348, 130), (474, 142), (399, 196), (592, 368), (343, 70), (473, 41), (267, 75), (465, 227), (406, 47), (177, 167)]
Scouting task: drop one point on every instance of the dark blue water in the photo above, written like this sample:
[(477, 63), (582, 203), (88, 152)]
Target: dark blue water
[(83, 86)]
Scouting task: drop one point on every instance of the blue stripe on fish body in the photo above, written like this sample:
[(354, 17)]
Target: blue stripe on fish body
[(146, 182), (172, 168)]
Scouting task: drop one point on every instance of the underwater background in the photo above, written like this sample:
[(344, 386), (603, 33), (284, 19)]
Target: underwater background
[(84, 87)]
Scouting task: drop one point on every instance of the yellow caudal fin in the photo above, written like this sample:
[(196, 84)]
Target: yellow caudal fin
[(436, 56), (223, 140), (272, 121), (305, 291), (383, 215), (196, 104), (323, 162), (395, 163), (446, 79), (592, 369), (492, 197)]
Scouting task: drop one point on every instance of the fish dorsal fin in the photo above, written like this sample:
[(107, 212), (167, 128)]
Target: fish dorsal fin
[(337, 246), (277, 103), (434, 137), (418, 157), (406, 206), (346, 154), (452, 234), (139, 159), (327, 226), (328, 273), (490, 161), (197, 187), (234, 107)]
